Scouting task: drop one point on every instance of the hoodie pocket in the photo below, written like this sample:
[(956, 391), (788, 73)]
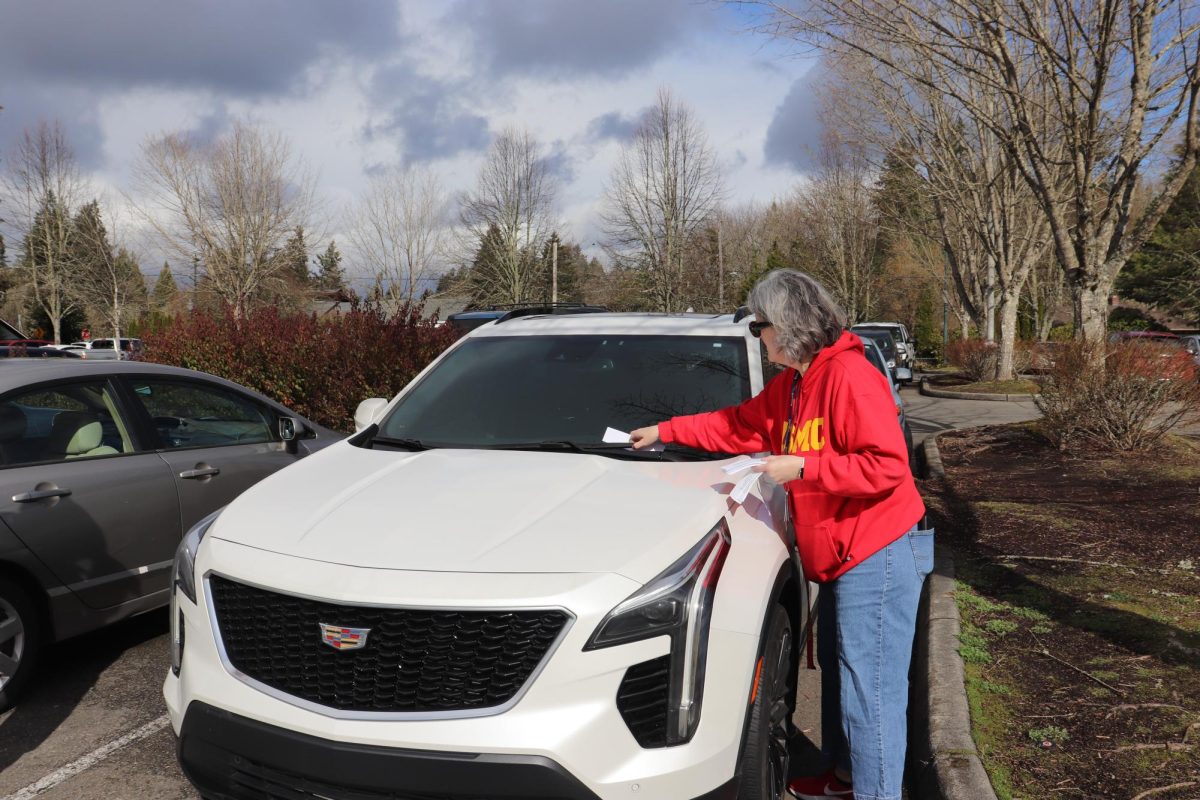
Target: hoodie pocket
[(819, 553)]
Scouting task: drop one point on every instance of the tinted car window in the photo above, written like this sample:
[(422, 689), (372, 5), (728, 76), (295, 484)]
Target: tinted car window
[(885, 341), (498, 390), (202, 415), (60, 423)]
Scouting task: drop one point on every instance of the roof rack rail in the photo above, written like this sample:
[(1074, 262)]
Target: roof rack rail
[(551, 308), (741, 313)]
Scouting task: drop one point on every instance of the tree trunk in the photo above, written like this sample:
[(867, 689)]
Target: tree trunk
[(1090, 302), (1009, 303)]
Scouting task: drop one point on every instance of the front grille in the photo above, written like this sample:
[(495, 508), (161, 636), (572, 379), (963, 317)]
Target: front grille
[(415, 660), (643, 698)]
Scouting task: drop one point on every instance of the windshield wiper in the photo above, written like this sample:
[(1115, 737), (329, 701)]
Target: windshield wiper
[(612, 449), (402, 444)]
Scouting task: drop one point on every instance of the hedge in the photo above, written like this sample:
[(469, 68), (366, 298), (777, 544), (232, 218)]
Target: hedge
[(320, 367)]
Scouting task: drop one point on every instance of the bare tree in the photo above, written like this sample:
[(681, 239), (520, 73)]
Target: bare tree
[(842, 226), (231, 204), (508, 217), (398, 230), (665, 186), (43, 185), (1105, 81)]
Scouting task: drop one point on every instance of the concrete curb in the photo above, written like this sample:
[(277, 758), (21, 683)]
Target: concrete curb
[(925, 390), (945, 763)]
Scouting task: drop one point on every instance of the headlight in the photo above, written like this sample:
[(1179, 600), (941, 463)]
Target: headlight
[(678, 603), (183, 579), (184, 572)]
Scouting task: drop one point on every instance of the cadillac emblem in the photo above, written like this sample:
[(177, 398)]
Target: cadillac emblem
[(340, 638)]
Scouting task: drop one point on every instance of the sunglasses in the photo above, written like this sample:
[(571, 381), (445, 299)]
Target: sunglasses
[(756, 328)]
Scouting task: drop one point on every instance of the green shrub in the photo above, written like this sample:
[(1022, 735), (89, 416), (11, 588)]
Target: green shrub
[(319, 367)]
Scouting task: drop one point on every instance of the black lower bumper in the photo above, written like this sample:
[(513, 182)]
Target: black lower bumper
[(229, 757)]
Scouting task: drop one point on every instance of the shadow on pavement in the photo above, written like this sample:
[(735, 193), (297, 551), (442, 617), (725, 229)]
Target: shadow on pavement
[(68, 671)]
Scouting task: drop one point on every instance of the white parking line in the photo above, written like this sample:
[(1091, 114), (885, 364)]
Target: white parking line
[(90, 760)]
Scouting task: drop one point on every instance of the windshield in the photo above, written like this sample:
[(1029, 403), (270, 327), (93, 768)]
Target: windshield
[(881, 338), (8, 332), (493, 391)]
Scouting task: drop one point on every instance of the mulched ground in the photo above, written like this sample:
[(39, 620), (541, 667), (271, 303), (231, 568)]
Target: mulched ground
[(1080, 580)]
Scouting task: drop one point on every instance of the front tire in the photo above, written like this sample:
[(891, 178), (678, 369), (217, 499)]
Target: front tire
[(20, 641), (764, 767)]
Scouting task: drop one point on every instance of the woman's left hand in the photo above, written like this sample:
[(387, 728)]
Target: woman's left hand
[(782, 469)]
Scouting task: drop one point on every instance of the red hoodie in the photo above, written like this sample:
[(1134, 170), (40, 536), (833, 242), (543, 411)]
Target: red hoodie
[(857, 495)]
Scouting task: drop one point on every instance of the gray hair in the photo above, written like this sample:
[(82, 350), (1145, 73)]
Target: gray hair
[(805, 317)]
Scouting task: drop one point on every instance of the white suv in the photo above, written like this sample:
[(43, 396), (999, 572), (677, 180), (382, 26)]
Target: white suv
[(475, 596)]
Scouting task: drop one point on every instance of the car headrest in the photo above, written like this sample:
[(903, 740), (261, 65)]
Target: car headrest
[(12, 423), (74, 432)]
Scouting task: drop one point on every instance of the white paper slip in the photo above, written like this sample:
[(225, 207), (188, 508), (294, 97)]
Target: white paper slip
[(742, 490), (738, 466), (614, 436)]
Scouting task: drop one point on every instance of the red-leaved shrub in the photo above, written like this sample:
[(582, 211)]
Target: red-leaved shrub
[(1125, 398), (320, 367)]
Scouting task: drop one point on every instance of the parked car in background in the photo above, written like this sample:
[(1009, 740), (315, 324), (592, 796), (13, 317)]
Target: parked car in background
[(1191, 343), (99, 349), (35, 351), (102, 469), (906, 346), (1169, 356), (9, 336), (886, 341), (895, 377), (481, 594)]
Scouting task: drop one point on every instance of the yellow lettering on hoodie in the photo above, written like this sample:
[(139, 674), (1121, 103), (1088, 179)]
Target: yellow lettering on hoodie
[(806, 437)]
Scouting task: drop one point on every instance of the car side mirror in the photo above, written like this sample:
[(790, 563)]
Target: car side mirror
[(368, 410), (903, 374), (287, 429)]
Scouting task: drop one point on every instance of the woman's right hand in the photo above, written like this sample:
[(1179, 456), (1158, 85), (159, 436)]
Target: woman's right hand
[(644, 437)]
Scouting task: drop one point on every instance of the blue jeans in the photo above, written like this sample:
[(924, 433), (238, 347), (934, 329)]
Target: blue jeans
[(866, 621)]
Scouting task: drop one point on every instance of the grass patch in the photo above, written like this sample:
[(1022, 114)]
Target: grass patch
[(999, 387)]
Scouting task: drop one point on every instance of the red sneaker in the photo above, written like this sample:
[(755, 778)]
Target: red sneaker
[(821, 787)]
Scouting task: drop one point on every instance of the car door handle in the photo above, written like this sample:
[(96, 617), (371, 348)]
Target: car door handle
[(39, 494), (193, 474)]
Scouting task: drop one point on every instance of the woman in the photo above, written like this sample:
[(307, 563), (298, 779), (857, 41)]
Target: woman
[(830, 423)]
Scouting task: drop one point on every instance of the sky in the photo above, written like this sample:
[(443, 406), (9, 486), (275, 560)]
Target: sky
[(359, 85)]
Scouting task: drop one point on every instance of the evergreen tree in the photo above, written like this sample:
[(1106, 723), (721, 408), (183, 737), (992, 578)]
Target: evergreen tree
[(166, 293), (330, 275), (1165, 273), (89, 250), (294, 259), (572, 267), (45, 260)]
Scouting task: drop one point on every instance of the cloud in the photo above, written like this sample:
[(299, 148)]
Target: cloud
[(73, 108), (241, 47), (612, 126), (562, 38), (794, 135), (560, 163), (431, 124)]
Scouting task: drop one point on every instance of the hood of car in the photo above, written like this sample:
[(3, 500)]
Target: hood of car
[(453, 510)]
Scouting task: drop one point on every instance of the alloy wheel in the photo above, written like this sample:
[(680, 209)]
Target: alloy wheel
[(12, 641), (778, 755)]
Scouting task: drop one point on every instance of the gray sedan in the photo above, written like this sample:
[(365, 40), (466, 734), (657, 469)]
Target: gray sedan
[(103, 467)]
